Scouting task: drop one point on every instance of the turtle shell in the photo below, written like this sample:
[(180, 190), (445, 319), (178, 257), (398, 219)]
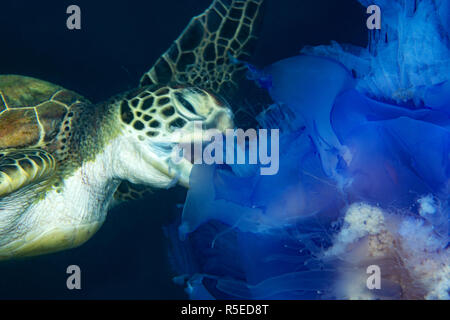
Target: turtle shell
[(32, 110)]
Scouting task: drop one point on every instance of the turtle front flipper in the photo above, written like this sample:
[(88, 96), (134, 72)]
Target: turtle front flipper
[(128, 191), (208, 52), (20, 168)]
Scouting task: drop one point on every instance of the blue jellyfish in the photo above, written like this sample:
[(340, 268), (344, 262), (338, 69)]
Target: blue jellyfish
[(364, 176)]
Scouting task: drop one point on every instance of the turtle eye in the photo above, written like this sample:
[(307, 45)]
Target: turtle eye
[(185, 103), (186, 108)]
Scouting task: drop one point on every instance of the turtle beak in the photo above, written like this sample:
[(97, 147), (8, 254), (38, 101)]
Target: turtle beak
[(179, 161), (177, 169), (183, 172)]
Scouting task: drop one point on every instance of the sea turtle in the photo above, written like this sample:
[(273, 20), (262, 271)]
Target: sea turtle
[(62, 158)]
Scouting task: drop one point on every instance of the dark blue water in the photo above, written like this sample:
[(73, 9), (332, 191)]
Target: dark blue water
[(127, 258)]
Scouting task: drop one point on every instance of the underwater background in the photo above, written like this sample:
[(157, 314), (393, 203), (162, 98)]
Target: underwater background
[(118, 42)]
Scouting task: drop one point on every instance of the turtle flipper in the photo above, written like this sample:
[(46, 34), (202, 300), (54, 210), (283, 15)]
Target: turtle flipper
[(20, 168), (128, 191), (208, 52)]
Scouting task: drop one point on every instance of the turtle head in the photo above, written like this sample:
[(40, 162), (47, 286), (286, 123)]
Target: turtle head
[(159, 120)]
